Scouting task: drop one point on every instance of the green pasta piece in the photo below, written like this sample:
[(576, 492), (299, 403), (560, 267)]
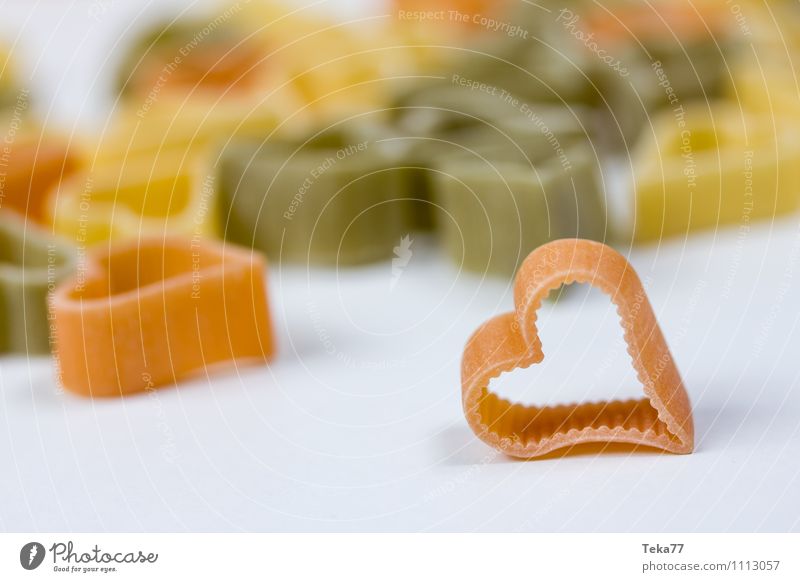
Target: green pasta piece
[(333, 199), (525, 131), (500, 203), (31, 264), (448, 107)]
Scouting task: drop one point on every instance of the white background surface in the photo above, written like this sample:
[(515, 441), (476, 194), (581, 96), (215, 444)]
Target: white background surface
[(357, 425)]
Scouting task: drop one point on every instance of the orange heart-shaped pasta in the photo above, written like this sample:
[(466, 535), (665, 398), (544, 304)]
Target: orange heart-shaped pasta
[(662, 419), (150, 312)]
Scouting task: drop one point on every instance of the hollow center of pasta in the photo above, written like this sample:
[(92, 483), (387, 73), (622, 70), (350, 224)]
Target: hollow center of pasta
[(586, 380)]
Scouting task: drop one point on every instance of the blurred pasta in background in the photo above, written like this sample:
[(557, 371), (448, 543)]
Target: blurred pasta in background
[(491, 127)]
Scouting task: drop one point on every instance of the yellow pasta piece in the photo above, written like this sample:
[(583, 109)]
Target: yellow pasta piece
[(706, 166), (143, 196)]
